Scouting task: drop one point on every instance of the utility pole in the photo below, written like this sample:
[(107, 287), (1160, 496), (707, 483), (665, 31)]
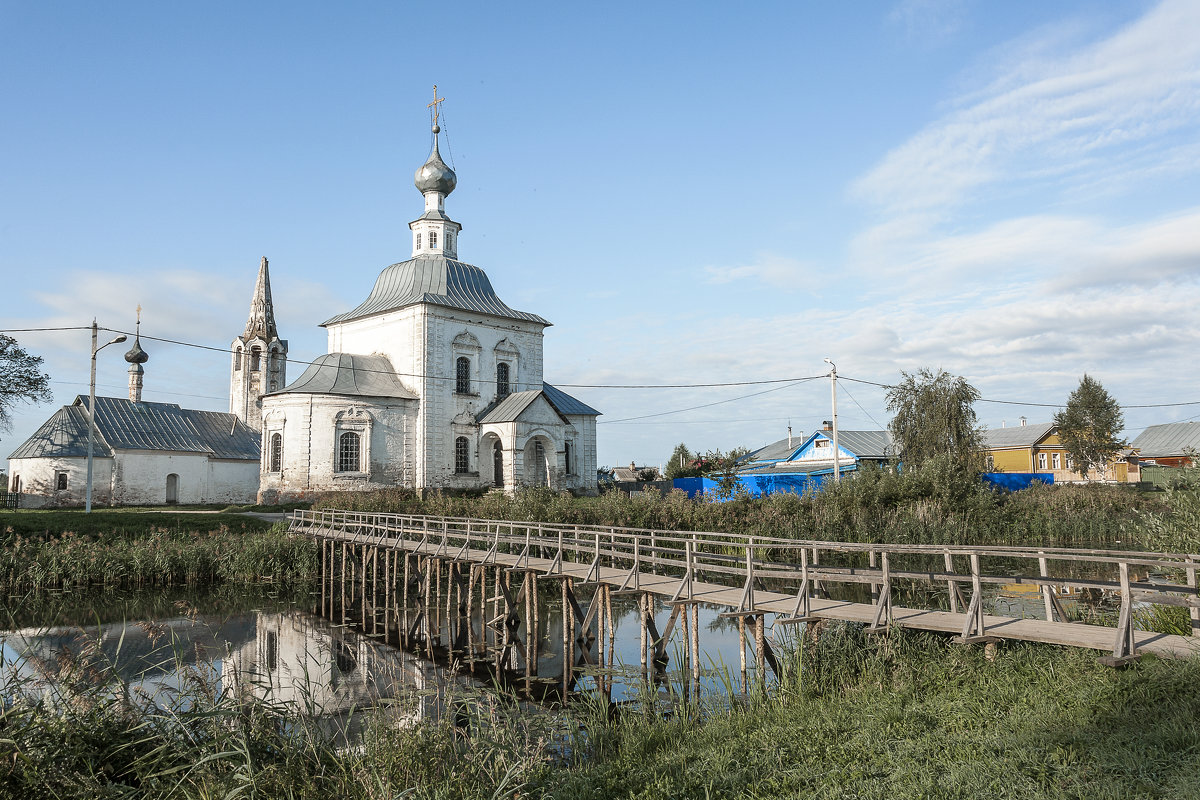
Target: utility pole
[(837, 470)]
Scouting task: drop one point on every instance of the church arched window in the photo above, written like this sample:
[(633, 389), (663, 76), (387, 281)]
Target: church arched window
[(255, 359), (433, 240), (502, 387), (462, 455), (567, 458), (348, 453), (449, 240), (418, 241), (237, 359), (276, 452), (462, 375), (497, 465)]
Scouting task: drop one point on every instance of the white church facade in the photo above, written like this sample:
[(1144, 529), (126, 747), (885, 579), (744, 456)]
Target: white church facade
[(431, 382)]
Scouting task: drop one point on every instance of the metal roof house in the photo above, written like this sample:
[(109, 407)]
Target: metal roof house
[(1171, 444), (796, 466), (1029, 449), (143, 454)]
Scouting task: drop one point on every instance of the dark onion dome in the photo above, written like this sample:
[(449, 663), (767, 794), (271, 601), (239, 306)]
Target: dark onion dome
[(136, 354), (434, 175)]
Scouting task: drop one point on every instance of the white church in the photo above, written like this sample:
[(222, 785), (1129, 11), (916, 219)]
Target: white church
[(431, 382)]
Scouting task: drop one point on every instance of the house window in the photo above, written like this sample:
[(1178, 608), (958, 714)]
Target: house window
[(433, 240), (462, 460), (1041, 460), (1056, 460), (567, 458), (60, 481), (462, 378), (348, 453), (237, 360), (497, 465), (276, 451), (255, 358), (501, 380)]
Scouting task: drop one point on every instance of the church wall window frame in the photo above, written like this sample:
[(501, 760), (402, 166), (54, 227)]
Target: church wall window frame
[(349, 453), (237, 359), (462, 375), (503, 380), (418, 241), (462, 456), (60, 480), (255, 358), (275, 451), (498, 465), (568, 454), (433, 240)]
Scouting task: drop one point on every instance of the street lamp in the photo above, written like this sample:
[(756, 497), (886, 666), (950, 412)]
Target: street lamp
[(92, 408)]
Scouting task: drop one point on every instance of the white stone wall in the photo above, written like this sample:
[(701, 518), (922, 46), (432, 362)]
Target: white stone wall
[(310, 426), (38, 481), (138, 478)]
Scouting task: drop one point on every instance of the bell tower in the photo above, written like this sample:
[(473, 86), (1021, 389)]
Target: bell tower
[(259, 356)]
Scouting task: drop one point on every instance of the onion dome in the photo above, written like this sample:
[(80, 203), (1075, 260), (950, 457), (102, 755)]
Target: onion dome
[(434, 175), (136, 354)]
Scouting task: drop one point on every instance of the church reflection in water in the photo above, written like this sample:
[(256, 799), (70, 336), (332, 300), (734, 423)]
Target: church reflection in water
[(325, 671)]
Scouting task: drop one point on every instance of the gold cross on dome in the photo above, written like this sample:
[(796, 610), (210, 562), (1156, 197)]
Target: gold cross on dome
[(434, 104), (139, 313)]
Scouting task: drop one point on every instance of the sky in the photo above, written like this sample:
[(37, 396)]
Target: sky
[(693, 193)]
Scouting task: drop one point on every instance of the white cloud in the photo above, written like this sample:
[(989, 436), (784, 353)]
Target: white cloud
[(782, 272), (1056, 119)]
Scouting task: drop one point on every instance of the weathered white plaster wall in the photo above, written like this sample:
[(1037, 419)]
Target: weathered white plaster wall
[(310, 426), (139, 477)]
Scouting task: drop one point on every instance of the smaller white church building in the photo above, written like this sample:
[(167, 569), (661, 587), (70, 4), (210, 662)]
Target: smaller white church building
[(142, 453), (431, 382)]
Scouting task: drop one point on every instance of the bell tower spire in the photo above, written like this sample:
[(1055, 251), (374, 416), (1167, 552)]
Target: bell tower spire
[(434, 233), (259, 355)]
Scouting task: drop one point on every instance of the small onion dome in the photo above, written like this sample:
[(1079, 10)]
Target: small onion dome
[(434, 175), (136, 354)]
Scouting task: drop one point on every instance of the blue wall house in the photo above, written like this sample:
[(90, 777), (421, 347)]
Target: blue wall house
[(792, 465)]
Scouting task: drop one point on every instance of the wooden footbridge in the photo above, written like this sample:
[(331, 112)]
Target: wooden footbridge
[(753, 577)]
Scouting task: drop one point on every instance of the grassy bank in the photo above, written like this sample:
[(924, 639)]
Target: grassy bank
[(919, 507), (121, 549), (908, 715)]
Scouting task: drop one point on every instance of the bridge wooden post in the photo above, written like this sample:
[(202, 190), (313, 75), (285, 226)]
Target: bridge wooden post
[(1125, 646), (883, 598), (747, 600), (1193, 611), (741, 626)]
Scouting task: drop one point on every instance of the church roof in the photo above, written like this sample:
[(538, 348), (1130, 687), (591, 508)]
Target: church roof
[(438, 280), (509, 408), (122, 424), (349, 374), (261, 321), (567, 404)]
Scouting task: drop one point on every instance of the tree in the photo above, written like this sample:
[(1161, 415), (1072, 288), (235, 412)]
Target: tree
[(934, 415), (682, 463), (1089, 425), (722, 467), (21, 379)]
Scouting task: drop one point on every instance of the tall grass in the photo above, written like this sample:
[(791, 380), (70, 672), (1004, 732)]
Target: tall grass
[(901, 715), (933, 505), (156, 557)]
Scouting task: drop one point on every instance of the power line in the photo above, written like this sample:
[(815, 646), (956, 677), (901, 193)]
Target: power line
[(715, 385), (706, 405)]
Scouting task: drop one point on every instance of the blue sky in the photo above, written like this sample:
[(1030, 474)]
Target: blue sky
[(692, 193)]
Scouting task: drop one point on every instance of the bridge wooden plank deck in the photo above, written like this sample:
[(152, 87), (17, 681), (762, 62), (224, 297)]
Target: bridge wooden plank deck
[(1096, 637)]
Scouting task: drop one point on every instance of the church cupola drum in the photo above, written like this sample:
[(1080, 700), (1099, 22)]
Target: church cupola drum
[(259, 356), (432, 381)]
